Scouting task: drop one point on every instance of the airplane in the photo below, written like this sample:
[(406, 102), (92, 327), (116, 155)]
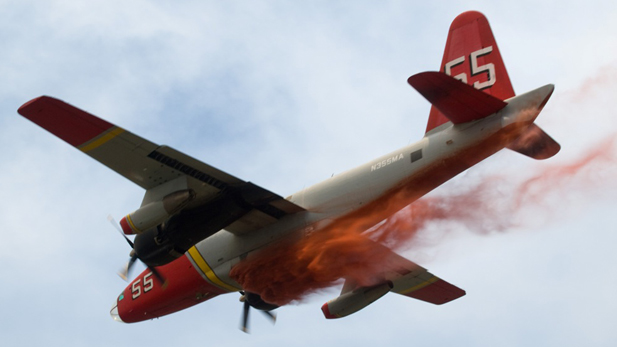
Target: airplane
[(197, 225)]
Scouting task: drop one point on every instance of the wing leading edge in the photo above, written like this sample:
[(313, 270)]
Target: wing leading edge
[(150, 165)]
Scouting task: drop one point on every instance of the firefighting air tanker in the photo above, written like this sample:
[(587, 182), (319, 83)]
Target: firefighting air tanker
[(197, 223)]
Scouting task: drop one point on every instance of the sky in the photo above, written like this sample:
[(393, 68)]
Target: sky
[(284, 95)]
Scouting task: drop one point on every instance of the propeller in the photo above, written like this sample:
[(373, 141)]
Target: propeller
[(246, 298), (124, 272)]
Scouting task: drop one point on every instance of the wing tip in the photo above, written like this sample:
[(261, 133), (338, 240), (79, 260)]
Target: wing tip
[(67, 122), (437, 292), (26, 109)]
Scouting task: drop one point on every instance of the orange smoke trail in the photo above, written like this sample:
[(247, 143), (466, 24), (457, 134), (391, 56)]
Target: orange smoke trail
[(346, 249), (289, 271), (497, 202)]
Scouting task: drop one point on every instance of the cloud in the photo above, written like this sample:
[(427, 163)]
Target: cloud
[(285, 95)]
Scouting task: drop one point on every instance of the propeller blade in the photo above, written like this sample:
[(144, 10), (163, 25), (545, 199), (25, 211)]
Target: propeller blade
[(245, 317), (111, 220), (270, 315), (158, 276), (124, 272), (117, 226)]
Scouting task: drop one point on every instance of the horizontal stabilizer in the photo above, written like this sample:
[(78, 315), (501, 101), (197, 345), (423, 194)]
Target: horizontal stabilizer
[(459, 102), (535, 143)]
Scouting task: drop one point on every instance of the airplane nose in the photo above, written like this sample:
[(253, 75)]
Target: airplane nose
[(114, 313)]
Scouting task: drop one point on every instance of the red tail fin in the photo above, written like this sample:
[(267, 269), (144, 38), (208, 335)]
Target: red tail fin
[(472, 56)]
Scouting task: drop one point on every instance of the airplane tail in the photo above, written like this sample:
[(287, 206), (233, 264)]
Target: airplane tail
[(472, 56)]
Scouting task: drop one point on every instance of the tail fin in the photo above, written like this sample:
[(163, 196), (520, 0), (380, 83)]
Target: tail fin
[(472, 56)]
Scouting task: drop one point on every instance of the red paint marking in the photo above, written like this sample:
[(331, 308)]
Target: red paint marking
[(470, 32), (63, 120), (126, 228), (326, 312), (437, 293), (459, 102), (185, 288)]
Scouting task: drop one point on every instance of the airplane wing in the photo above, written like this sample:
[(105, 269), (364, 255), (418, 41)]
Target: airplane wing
[(398, 275), (412, 280), (423, 285), (150, 165)]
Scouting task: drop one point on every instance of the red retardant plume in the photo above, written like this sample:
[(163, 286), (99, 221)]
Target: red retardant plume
[(346, 248)]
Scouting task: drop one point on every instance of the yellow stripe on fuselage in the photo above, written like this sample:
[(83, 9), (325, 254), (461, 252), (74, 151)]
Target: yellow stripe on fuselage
[(97, 142), (207, 270), (420, 286)]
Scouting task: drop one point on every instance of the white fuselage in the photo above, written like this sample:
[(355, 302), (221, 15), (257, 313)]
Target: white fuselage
[(410, 172)]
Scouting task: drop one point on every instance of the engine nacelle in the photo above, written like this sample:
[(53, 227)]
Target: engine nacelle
[(354, 300), (162, 243), (155, 213)]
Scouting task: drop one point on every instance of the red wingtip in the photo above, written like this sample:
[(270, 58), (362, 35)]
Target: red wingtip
[(69, 123), (438, 293), (24, 110)]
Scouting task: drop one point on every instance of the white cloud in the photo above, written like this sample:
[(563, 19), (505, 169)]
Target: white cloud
[(285, 95)]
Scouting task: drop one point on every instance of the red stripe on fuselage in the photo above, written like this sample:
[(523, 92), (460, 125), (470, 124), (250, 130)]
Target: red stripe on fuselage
[(146, 298)]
